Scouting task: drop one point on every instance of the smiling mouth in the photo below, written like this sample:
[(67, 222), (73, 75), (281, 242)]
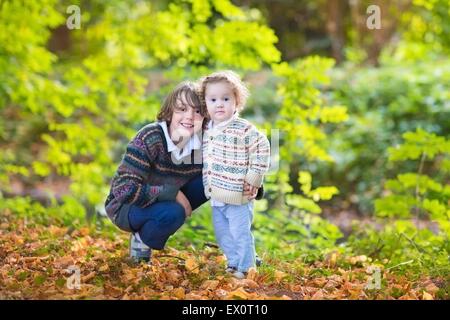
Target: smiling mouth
[(187, 125)]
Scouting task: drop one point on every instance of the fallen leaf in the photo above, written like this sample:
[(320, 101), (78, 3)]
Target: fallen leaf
[(104, 268), (209, 284), (252, 273), (238, 293), (220, 259), (432, 288), (427, 296), (88, 277), (279, 275), (179, 293), (192, 265), (318, 295), (249, 283)]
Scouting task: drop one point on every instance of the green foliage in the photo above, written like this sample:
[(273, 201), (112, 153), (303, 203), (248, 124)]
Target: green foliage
[(417, 191), (404, 248), (426, 29), (78, 113), (411, 193), (383, 104), (418, 144)]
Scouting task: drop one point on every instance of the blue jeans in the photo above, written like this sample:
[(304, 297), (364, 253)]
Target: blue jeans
[(232, 225), (156, 223)]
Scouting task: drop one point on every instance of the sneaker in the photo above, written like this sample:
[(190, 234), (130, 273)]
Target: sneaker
[(240, 275), (139, 251), (230, 269)]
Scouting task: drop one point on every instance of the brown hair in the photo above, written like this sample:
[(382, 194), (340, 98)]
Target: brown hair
[(191, 93), (239, 88)]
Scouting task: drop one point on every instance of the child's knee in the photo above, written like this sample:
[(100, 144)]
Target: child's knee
[(175, 215)]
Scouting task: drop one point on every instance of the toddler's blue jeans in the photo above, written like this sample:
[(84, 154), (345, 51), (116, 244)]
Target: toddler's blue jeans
[(232, 226)]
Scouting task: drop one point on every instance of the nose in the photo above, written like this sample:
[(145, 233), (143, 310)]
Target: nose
[(189, 114)]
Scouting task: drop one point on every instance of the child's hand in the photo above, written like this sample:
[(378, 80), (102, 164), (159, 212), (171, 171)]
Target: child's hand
[(181, 199), (250, 191)]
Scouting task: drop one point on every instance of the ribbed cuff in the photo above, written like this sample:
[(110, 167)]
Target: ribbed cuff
[(168, 193), (253, 178)]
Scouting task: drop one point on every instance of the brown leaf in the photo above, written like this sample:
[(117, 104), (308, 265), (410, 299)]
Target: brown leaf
[(318, 295), (113, 291), (427, 296), (432, 288), (192, 265), (249, 283), (209, 284), (179, 293), (220, 259), (104, 268), (279, 275), (239, 293), (88, 277), (252, 273)]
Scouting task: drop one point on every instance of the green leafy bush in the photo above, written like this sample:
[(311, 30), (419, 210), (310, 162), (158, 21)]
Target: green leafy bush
[(413, 194)]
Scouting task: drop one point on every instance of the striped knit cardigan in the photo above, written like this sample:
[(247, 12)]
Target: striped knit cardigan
[(232, 155)]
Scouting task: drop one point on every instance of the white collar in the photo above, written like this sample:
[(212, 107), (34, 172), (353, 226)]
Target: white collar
[(223, 124), (193, 143)]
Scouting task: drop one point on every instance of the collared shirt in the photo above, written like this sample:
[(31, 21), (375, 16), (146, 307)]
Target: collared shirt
[(220, 125), (194, 143)]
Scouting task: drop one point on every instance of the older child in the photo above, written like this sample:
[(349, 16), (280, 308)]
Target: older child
[(235, 159), (158, 181)]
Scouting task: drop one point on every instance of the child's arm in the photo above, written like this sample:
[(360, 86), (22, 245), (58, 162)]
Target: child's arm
[(128, 185), (259, 157)]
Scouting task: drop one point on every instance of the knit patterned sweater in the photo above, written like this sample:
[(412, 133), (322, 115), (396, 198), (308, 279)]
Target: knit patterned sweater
[(233, 154), (148, 173)]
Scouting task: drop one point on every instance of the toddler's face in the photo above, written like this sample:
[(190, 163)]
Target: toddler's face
[(220, 101)]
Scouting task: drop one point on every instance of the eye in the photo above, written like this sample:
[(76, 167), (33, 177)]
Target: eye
[(226, 99), (213, 99)]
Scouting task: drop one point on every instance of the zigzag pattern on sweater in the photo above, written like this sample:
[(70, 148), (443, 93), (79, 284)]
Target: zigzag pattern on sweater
[(145, 169), (231, 156)]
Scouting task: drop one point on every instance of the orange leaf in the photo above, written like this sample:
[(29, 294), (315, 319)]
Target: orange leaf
[(210, 284), (179, 293), (318, 295), (279, 275), (104, 268), (88, 277), (427, 296), (220, 259), (239, 293), (192, 265), (252, 273), (249, 283)]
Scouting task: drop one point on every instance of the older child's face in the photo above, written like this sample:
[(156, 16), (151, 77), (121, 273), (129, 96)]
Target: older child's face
[(186, 120), (220, 101)]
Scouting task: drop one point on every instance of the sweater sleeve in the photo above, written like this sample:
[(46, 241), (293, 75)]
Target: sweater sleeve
[(128, 185), (259, 157)]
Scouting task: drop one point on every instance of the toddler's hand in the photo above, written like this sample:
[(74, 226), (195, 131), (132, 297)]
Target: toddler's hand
[(250, 191)]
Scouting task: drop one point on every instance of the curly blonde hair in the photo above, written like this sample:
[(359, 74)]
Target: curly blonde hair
[(240, 90)]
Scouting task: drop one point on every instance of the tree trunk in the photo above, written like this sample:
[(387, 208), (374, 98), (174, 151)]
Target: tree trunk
[(335, 28)]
